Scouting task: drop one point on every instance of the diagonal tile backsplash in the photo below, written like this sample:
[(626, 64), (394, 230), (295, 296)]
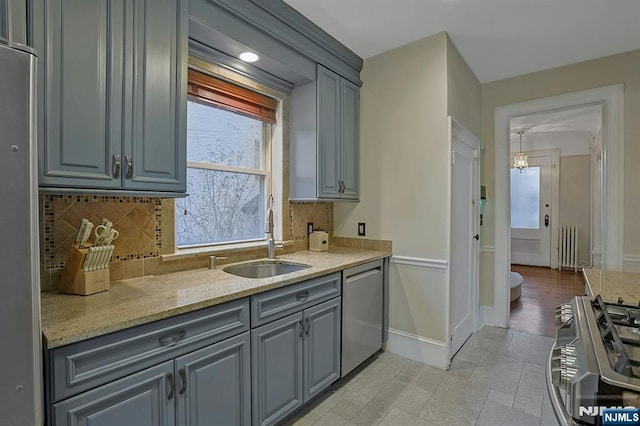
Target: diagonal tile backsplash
[(137, 219)]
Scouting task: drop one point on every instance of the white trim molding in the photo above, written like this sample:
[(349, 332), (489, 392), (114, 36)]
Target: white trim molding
[(632, 258), (487, 249), (427, 351), (420, 261), (612, 100)]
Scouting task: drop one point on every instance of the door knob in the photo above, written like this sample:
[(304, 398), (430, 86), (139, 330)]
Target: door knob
[(476, 237), (546, 220)]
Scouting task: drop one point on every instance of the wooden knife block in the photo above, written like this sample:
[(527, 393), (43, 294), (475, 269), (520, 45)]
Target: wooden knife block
[(75, 281)]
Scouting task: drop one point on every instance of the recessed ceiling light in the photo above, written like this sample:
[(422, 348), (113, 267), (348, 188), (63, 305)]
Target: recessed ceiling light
[(249, 57)]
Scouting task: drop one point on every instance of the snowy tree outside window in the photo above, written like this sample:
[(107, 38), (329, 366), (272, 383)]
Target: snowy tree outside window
[(227, 177)]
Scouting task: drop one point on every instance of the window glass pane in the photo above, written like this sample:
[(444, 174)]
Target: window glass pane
[(525, 198), (221, 206), (223, 137)]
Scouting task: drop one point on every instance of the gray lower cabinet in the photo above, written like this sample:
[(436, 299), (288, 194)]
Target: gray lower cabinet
[(112, 94), (294, 359), (214, 384), (146, 398), (321, 347), (13, 21)]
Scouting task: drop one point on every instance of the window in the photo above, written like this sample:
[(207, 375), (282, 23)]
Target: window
[(525, 198), (228, 163)]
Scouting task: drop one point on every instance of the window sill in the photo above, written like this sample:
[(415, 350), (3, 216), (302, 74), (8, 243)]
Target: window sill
[(219, 250)]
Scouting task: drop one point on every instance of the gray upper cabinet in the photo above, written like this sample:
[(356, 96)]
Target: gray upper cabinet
[(324, 139), (13, 21), (146, 398), (157, 148), (112, 91), (215, 383), (350, 96)]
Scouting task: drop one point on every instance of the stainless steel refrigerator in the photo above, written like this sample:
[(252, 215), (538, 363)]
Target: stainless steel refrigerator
[(20, 336)]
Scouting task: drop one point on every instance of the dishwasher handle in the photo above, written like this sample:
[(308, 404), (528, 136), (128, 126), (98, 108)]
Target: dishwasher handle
[(363, 275)]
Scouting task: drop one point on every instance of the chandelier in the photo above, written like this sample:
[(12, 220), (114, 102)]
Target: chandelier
[(520, 160)]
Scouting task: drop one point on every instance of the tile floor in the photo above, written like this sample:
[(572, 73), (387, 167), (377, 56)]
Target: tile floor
[(497, 378)]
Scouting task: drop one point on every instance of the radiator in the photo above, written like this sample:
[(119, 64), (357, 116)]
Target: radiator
[(568, 248)]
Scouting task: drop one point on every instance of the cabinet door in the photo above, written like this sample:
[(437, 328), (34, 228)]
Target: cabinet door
[(214, 384), (80, 72), (156, 148), (350, 138), (13, 21), (329, 134), (276, 364), (146, 398), (321, 347)]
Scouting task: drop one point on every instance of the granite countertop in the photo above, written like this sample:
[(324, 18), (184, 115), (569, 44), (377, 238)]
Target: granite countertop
[(70, 318), (612, 284)]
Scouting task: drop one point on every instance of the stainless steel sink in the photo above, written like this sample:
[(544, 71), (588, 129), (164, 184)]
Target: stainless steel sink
[(265, 268)]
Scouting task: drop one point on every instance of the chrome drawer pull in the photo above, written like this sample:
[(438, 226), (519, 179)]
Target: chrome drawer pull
[(171, 385), (129, 161), (173, 339), (301, 297), (116, 165), (183, 377)]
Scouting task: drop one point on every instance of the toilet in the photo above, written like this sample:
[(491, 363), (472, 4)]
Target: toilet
[(516, 284)]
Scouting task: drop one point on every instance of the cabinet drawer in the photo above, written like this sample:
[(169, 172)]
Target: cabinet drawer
[(278, 303), (85, 365)]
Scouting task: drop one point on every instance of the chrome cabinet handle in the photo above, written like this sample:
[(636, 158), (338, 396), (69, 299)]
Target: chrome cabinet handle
[(129, 166), (116, 165), (302, 296), (171, 384), (308, 326), (183, 378), (173, 339), (301, 328)]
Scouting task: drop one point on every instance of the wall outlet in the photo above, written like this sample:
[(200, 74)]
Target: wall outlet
[(361, 229), (309, 228)]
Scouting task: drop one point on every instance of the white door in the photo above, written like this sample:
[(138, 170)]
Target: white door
[(532, 212), (463, 276)]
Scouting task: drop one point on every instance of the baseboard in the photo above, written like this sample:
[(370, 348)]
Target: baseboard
[(485, 316), (427, 351)]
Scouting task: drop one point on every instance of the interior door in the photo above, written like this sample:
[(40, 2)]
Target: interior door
[(464, 238), (531, 212)]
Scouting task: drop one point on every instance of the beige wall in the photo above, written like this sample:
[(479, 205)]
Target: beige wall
[(407, 95), (575, 200), (464, 96), (615, 69), (403, 139)]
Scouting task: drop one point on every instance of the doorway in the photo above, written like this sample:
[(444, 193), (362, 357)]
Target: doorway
[(534, 209), (610, 98), (465, 248)]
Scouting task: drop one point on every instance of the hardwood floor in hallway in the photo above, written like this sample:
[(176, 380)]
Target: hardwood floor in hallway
[(542, 290)]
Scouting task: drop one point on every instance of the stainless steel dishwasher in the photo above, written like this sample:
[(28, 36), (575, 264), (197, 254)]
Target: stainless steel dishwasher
[(362, 308)]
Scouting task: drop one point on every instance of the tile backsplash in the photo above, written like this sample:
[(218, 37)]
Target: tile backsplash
[(137, 219), (140, 223)]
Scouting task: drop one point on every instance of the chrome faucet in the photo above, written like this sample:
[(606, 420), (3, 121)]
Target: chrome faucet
[(272, 245)]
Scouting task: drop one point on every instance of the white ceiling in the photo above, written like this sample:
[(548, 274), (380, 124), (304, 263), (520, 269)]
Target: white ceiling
[(570, 130), (497, 38)]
